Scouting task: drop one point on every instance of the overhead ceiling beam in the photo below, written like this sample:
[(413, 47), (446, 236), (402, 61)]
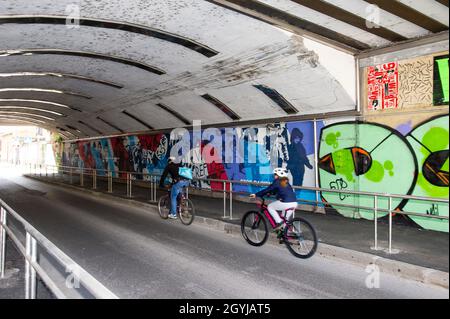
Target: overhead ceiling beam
[(73, 128), (409, 44), (41, 117), (174, 113), (137, 119), (91, 127), (350, 18), (110, 124), (409, 14), (9, 107), (39, 90), (61, 76), (60, 129), (444, 2), (114, 25), (277, 98), (21, 118), (83, 54), (221, 106), (284, 20), (64, 106)]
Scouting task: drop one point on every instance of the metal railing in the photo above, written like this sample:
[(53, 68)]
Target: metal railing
[(151, 181), (62, 276)]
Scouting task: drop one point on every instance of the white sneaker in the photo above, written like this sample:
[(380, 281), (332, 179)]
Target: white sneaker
[(173, 216)]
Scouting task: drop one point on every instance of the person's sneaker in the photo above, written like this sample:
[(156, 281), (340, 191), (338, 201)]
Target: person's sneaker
[(173, 216)]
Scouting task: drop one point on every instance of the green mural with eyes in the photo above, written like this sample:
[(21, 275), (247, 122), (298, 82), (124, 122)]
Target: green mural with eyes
[(430, 142), (370, 157), (365, 157)]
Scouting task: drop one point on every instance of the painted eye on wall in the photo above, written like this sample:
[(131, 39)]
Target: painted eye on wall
[(362, 161), (435, 168)]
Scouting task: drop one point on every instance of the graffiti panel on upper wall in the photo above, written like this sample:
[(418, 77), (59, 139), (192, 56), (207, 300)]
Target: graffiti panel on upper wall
[(440, 80), (415, 83), (382, 87)]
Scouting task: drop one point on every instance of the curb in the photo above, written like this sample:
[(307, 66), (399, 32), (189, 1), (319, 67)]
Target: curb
[(389, 266)]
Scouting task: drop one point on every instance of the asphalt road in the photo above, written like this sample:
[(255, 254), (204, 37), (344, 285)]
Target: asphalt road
[(137, 255)]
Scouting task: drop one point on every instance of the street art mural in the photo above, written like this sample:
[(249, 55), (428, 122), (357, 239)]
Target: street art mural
[(365, 157), (255, 152), (440, 80), (430, 143), (415, 83), (352, 155), (383, 82)]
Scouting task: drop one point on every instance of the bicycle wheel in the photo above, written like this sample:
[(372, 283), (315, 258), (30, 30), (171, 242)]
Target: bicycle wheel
[(186, 212), (300, 238), (164, 206), (254, 228)]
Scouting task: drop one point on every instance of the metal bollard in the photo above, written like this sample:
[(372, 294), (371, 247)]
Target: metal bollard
[(128, 185), (110, 182), (375, 218), (155, 188), (151, 189), (94, 179), (82, 177), (231, 201), (2, 242), (224, 199), (390, 225), (30, 272)]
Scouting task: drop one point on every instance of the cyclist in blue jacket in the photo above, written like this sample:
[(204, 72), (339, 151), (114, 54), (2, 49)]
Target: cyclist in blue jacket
[(286, 199), (178, 182)]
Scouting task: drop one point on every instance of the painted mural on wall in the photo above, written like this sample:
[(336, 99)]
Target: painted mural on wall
[(440, 80), (365, 157), (293, 149), (352, 155), (374, 158), (383, 82), (430, 143), (415, 82)]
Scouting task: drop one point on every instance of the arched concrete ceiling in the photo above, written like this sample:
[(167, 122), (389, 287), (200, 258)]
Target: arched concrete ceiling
[(142, 65)]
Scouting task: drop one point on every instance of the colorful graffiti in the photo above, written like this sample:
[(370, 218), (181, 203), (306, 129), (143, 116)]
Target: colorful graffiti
[(383, 82), (430, 142), (365, 157), (352, 155), (441, 81), (289, 145)]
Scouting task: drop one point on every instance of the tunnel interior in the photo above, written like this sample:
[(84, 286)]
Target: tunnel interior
[(101, 68)]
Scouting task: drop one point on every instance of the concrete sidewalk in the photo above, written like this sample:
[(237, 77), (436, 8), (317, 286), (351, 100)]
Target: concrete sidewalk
[(412, 245)]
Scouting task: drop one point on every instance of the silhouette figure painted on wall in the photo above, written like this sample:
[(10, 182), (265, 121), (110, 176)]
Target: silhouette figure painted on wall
[(297, 158)]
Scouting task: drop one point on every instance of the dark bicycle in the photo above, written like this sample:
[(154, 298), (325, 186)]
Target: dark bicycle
[(298, 234), (185, 207)]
